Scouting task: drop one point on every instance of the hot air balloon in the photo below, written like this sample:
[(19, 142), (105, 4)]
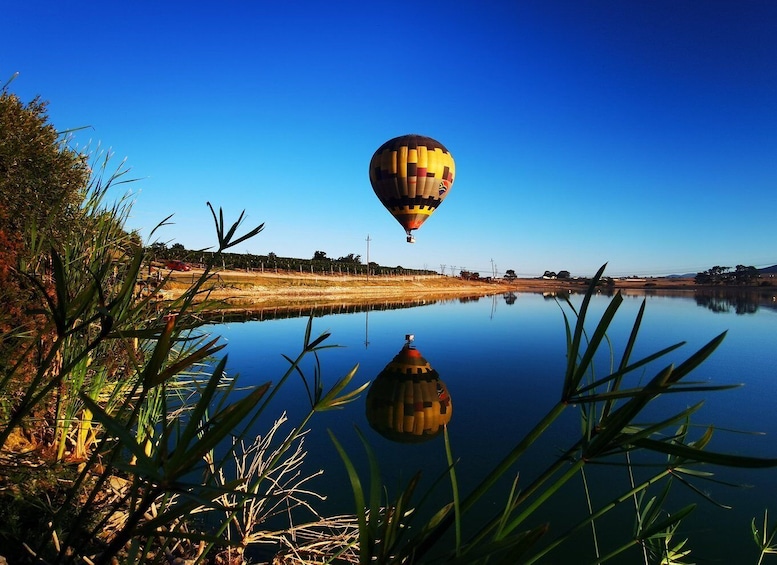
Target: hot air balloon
[(408, 402), (412, 175)]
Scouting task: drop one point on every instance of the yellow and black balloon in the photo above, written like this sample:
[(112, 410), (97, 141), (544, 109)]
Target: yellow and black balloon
[(412, 175), (408, 402)]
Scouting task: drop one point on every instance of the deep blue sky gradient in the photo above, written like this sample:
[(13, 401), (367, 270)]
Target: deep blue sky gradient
[(638, 133)]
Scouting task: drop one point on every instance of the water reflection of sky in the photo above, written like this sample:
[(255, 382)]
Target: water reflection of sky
[(502, 365)]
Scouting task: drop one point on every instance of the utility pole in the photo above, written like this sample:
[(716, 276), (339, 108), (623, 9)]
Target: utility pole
[(442, 269), (368, 256)]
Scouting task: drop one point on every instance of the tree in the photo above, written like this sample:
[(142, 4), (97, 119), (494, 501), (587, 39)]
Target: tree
[(350, 258), (745, 275), (320, 256), (42, 180), (158, 248), (724, 275), (702, 277), (714, 275), (42, 186), (563, 274), (549, 275), (510, 275)]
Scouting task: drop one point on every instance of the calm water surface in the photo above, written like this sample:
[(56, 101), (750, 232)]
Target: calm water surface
[(502, 360)]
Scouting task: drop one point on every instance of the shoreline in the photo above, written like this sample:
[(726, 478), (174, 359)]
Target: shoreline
[(232, 292)]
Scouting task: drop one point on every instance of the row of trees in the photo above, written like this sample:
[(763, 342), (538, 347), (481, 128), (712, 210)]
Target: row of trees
[(319, 263), (475, 275), (740, 275)]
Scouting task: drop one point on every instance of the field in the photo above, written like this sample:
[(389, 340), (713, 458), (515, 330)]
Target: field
[(252, 292)]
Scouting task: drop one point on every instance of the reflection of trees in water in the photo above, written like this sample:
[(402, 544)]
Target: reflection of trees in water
[(718, 300), (304, 311), (738, 301), (558, 294)]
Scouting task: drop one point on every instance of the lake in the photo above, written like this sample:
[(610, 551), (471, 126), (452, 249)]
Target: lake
[(501, 360)]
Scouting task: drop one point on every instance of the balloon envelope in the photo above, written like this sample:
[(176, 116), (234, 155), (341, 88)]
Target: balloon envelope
[(412, 175)]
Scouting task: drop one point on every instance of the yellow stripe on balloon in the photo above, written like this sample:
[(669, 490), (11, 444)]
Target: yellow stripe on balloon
[(423, 160), (422, 210)]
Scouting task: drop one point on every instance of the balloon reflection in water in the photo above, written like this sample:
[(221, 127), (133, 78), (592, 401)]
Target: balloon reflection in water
[(408, 402)]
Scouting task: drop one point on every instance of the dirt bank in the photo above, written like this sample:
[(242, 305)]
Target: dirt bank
[(256, 291)]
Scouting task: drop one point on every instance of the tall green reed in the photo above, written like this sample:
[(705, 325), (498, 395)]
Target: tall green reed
[(115, 372)]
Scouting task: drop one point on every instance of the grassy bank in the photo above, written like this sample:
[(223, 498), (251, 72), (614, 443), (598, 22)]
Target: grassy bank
[(255, 291)]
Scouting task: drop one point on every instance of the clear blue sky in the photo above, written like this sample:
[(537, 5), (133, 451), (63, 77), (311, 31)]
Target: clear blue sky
[(638, 133)]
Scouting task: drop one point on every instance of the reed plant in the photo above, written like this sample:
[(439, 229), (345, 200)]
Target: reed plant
[(120, 403), (764, 538)]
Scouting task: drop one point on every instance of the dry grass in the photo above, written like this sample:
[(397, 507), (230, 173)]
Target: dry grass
[(242, 290), (257, 291)]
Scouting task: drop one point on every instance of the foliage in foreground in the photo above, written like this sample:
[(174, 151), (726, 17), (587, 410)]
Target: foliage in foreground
[(122, 437), (137, 467)]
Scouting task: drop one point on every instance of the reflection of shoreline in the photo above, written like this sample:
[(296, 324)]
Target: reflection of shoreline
[(250, 293), (725, 300), (720, 299), (317, 310)]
